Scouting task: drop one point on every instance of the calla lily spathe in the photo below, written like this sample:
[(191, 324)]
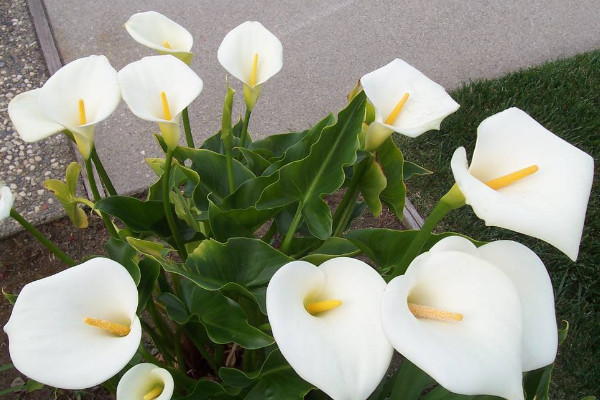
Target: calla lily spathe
[(503, 295), (252, 54), (343, 351), (158, 32), (48, 338), (549, 204), (423, 109), (6, 201), (143, 84), (146, 381), (78, 96)]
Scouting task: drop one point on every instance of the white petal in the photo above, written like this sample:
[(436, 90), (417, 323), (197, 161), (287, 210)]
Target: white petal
[(143, 378), (550, 204), (143, 80), (528, 273), (344, 351), (6, 202), (48, 340), (236, 52), (92, 79), (480, 354), (427, 105), (30, 122), (152, 29)]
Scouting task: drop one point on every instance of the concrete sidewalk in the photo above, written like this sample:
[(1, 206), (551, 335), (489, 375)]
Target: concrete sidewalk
[(327, 47)]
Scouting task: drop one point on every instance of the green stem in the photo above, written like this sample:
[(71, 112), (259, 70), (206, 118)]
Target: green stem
[(451, 200), (189, 139), (102, 173), (178, 349), (344, 210), (167, 207), (160, 342), (244, 135), (293, 226), (41, 238), (92, 181)]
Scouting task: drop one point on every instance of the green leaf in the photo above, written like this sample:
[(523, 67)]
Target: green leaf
[(226, 224), (223, 318), (149, 271), (175, 308), (123, 253), (410, 169), (563, 333), (142, 216), (371, 184), (207, 390), (387, 246), (147, 247), (331, 248), (409, 382), (10, 297), (241, 265), (302, 148), (276, 380), (65, 192), (306, 181), (210, 166), (32, 386), (278, 144), (392, 162), (256, 162)]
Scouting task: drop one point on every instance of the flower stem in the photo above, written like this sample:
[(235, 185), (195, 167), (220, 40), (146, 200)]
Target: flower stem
[(102, 173), (41, 238), (189, 139), (451, 200), (178, 349), (292, 229), (167, 207), (244, 135), (90, 174)]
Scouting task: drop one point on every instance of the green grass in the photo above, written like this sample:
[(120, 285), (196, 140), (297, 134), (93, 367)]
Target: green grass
[(564, 96)]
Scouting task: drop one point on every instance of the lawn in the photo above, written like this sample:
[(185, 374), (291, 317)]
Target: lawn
[(564, 96)]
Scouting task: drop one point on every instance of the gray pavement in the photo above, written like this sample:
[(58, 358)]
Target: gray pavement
[(327, 47)]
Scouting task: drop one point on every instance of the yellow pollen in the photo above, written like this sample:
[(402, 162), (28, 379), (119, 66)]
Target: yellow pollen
[(111, 327), (396, 111), (167, 44), (506, 180), (82, 118), (426, 312), (318, 307), (165, 106), (154, 393), (254, 68)]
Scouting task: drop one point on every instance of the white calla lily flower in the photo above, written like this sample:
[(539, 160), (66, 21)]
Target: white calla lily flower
[(405, 101), (158, 89), (77, 328), (550, 203), (6, 201), (326, 323), (158, 32), (252, 54), (78, 96), (474, 318), (146, 381)]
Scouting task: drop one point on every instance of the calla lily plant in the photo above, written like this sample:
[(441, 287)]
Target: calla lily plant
[(249, 279)]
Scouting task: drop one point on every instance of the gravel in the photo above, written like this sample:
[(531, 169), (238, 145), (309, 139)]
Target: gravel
[(25, 166)]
